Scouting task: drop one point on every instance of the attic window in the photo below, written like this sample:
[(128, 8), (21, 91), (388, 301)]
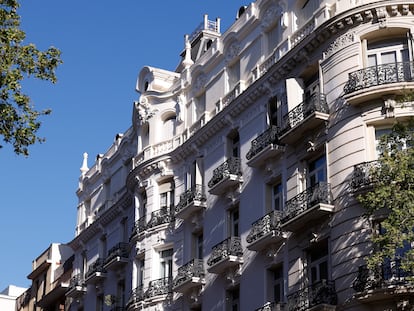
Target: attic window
[(146, 86), (242, 9)]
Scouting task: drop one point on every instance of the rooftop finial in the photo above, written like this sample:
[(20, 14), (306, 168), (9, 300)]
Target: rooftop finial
[(84, 167), (187, 58)]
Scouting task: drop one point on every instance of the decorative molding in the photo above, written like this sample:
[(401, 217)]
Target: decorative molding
[(270, 17), (339, 43), (232, 52)]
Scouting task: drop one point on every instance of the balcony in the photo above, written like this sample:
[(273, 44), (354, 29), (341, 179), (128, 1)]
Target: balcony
[(160, 217), (226, 254), (77, 287), (191, 201), (265, 232), (309, 205), (367, 83), (272, 306), (117, 256), (318, 296), (385, 281), (363, 176), (158, 288), (311, 113), (226, 176), (138, 230), (264, 146), (189, 275), (136, 298), (96, 272)]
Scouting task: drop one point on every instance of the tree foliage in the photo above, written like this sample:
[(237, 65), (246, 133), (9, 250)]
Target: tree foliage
[(19, 120), (391, 200)]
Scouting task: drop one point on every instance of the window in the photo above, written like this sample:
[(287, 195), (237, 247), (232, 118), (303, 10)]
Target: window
[(195, 174), (199, 107), (234, 222), (273, 112), (233, 72), (277, 197), (318, 262), (99, 303), (198, 241), (233, 299), (166, 195), (166, 263), (234, 144), (316, 171), (387, 52), (141, 269), (121, 294), (273, 38), (276, 284)]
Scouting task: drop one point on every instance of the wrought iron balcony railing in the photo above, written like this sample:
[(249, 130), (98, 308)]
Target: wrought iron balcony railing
[(196, 193), (231, 166), (76, 280), (97, 266), (271, 306), (159, 287), (119, 250), (268, 223), (383, 276), (320, 193), (192, 269), (229, 247), (137, 295), (322, 292), (379, 75), (139, 227), (268, 137), (161, 216), (364, 175), (315, 103)]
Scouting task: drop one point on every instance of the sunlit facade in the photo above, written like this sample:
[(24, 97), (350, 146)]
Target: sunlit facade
[(234, 188)]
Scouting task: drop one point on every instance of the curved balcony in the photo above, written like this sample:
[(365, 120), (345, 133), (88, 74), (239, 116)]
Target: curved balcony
[(266, 231), (160, 217), (264, 146), (363, 176), (158, 288), (386, 280), (138, 230), (96, 272), (318, 296), (77, 287), (226, 176), (136, 299), (365, 84), (311, 204), (311, 113), (226, 254), (191, 201), (117, 256), (189, 275)]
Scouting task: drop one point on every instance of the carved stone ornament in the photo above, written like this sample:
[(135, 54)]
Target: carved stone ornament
[(200, 82), (271, 15), (144, 110), (382, 15), (339, 44), (232, 52)]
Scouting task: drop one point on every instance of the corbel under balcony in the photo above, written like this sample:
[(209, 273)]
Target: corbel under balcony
[(226, 255), (77, 287), (226, 177)]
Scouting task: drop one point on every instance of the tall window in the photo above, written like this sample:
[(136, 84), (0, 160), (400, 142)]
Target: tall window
[(195, 174), (273, 112), (166, 263), (387, 52), (166, 195), (233, 72), (233, 299), (141, 269), (121, 293), (234, 222), (234, 144), (276, 284), (198, 241), (277, 197), (318, 262), (317, 171), (199, 106)]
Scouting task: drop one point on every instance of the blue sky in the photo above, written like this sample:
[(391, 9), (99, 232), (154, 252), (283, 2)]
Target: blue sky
[(104, 45)]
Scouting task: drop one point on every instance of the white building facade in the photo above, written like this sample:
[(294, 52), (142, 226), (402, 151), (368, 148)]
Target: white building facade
[(234, 188)]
